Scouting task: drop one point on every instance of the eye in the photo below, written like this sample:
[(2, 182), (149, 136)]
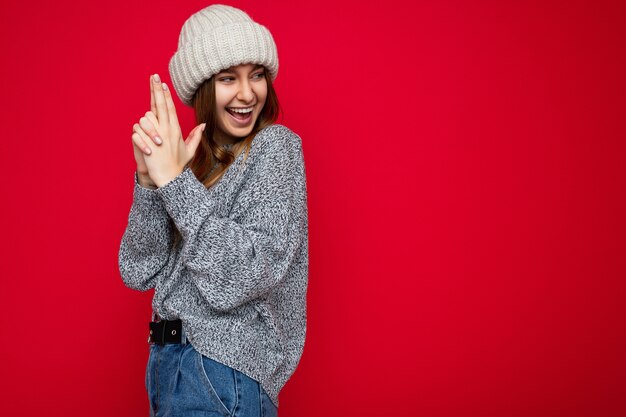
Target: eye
[(259, 75), (225, 79)]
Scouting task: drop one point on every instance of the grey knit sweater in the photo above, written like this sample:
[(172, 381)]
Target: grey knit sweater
[(238, 280)]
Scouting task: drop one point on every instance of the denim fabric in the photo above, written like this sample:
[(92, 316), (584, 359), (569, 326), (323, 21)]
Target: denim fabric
[(182, 382)]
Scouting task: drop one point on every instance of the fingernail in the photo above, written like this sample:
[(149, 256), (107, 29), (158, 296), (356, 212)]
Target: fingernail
[(158, 140), (164, 86), (157, 79), (203, 126), (148, 151)]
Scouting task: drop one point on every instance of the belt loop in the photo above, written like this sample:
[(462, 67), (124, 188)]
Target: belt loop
[(163, 331)]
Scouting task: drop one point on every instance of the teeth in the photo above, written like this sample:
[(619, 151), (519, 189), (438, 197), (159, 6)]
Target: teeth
[(248, 110)]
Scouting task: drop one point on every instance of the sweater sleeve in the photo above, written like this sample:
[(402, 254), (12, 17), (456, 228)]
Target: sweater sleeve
[(147, 240), (235, 259)]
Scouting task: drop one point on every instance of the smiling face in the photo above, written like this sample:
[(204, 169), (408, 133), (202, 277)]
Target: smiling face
[(240, 94)]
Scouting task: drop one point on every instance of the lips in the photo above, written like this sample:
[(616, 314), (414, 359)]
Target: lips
[(240, 118)]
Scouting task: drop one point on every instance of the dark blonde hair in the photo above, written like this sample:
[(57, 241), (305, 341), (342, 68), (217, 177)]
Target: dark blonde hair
[(209, 153)]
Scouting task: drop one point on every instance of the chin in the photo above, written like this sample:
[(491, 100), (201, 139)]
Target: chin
[(240, 132)]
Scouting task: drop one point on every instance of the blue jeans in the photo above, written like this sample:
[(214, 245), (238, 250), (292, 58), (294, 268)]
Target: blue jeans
[(182, 382)]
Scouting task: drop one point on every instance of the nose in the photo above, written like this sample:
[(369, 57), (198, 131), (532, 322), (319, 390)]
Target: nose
[(245, 93)]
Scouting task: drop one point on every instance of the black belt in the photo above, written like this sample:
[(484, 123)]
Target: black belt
[(166, 331)]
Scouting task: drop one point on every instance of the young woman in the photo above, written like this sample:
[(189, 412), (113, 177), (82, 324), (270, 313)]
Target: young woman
[(219, 226)]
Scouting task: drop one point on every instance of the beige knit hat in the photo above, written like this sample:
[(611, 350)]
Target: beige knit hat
[(215, 38)]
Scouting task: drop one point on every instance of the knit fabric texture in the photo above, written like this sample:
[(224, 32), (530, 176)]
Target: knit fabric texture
[(238, 278), (214, 39)]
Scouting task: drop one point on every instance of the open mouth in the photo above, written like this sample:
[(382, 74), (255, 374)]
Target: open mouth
[(240, 115)]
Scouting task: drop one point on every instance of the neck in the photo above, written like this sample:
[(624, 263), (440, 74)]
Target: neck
[(222, 139)]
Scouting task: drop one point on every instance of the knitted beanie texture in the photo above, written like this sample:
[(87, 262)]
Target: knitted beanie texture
[(216, 38)]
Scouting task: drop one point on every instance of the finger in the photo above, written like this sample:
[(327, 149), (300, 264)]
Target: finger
[(171, 107), (161, 107), (152, 101), (190, 136), (139, 142), (153, 119), (194, 139), (154, 134), (195, 131), (141, 139), (149, 130)]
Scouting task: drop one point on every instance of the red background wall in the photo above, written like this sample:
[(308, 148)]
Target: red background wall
[(466, 181)]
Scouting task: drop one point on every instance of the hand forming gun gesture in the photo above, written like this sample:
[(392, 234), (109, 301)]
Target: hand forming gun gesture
[(160, 151)]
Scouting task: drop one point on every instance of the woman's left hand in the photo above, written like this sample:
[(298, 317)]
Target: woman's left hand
[(167, 160)]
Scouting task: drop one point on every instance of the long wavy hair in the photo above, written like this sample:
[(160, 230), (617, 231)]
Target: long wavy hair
[(209, 154)]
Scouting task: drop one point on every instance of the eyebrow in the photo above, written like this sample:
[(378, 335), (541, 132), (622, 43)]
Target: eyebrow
[(231, 70)]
